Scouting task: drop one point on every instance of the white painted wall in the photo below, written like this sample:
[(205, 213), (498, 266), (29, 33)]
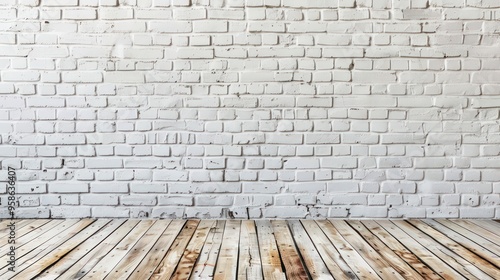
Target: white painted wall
[(251, 109)]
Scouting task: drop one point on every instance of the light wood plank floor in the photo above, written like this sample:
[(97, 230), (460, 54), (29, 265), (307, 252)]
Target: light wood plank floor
[(261, 249)]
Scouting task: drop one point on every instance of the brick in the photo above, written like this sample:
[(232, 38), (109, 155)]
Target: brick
[(96, 163), (68, 187), (175, 200), (344, 187), (477, 213), (123, 77), (108, 212), (170, 175), (210, 26), (65, 139), (136, 200), (210, 200), (115, 13), (79, 14), (92, 199), (293, 139), (20, 76), (314, 102), (143, 163), (373, 77), (339, 162), (443, 212), (59, 3), (146, 187), (310, 4), (276, 52), (477, 188), (306, 27), (301, 163), (171, 26), (262, 188), (285, 212), (195, 53), (343, 52), (398, 187), (323, 138), (433, 163), (365, 101), (70, 212)]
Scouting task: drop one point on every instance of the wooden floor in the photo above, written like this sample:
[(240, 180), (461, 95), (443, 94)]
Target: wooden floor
[(234, 249)]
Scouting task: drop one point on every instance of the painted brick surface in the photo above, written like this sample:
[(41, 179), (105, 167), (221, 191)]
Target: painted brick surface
[(251, 109)]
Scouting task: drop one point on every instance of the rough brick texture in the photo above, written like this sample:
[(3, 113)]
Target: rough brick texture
[(251, 109)]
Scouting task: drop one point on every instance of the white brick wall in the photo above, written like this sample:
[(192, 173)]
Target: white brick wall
[(251, 109)]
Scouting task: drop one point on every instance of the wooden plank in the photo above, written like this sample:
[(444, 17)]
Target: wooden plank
[(385, 252), (19, 224), (168, 264), (30, 269), (456, 232), (228, 255), (485, 243), (72, 257), (269, 253), (205, 266), (453, 246), (359, 266), (492, 226), (486, 234), (71, 249), (312, 260), (401, 250), (454, 260), (130, 261), (47, 239), (153, 258), (294, 268), (423, 253), (44, 245), (85, 264), (337, 266), (249, 265), (106, 264), (5, 222), (193, 250), (383, 269), (28, 233)]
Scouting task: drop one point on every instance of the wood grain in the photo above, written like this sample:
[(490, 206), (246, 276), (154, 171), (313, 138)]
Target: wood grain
[(249, 263), (106, 264), (269, 253), (205, 266), (335, 263), (168, 264), (399, 249), (261, 249), (227, 260), (87, 262), (79, 252), (421, 251), (153, 258), (387, 254), (131, 260), (294, 266), (193, 250), (359, 266), (446, 254), (312, 259)]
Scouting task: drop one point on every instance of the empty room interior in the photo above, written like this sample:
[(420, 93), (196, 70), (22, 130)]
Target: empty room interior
[(249, 139)]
